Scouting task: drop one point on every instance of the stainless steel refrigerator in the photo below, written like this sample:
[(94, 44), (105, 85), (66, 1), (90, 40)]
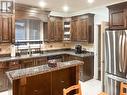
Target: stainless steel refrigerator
[(115, 47)]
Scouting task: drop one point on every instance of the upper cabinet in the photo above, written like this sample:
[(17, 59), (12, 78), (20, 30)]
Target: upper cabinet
[(55, 30), (74, 30), (7, 20), (118, 16), (6, 29), (7, 7), (125, 17), (82, 28)]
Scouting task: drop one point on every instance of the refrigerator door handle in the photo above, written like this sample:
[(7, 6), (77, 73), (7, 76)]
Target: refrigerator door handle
[(123, 51), (125, 45), (120, 52)]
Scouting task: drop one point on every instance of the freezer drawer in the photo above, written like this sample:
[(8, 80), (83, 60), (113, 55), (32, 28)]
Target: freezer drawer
[(112, 84)]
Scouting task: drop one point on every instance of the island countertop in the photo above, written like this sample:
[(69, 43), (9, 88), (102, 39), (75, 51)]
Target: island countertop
[(20, 73), (49, 53)]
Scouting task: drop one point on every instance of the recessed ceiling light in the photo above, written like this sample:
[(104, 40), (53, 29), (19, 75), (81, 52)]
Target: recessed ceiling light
[(65, 8), (90, 1), (42, 4)]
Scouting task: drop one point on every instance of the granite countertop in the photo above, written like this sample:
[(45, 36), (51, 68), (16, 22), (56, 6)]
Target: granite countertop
[(49, 53), (20, 73)]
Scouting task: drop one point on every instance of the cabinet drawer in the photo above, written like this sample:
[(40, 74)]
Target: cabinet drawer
[(40, 61), (14, 65), (3, 65)]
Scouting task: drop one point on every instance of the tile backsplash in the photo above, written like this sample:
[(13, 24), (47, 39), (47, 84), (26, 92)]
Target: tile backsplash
[(53, 46), (6, 48)]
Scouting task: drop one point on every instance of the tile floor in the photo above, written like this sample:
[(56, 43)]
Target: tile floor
[(91, 87)]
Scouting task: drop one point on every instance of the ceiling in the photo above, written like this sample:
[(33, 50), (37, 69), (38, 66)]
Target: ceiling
[(74, 5)]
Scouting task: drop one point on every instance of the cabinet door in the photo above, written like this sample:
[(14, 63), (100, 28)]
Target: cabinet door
[(6, 29), (45, 29), (3, 80), (125, 17), (63, 79), (40, 61), (51, 29), (13, 65), (27, 63), (33, 85), (74, 27), (116, 18), (83, 29), (59, 31), (41, 87), (3, 77), (88, 68)]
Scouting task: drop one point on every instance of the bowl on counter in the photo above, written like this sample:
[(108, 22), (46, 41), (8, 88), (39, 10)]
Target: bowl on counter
[(52, 63)]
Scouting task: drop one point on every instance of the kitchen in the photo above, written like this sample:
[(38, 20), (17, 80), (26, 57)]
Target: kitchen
[(35, 34)]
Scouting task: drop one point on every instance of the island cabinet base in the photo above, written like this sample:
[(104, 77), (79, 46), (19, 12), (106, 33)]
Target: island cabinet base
[(51, 83)]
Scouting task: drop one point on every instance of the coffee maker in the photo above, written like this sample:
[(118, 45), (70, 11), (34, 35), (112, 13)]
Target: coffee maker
[(78, 49)]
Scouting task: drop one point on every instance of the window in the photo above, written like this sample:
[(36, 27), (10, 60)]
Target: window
[(28, 29)]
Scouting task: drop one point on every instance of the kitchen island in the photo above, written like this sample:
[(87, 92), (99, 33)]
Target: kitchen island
[(44, 80)]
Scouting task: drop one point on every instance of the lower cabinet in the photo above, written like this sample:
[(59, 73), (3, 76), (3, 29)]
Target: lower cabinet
[(39, 85), (87, 69), (33, 62), (51, 83), (3, 77), (18, 64), (27, 63), (40, 61), (62, 79)]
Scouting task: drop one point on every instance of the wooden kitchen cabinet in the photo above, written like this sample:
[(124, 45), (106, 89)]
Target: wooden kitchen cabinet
[(55, 30), (33, 62), (65, 80), (87, 69), (125, 17), (59, 30), (36, 88), (13, 65), (83, 32), (40, 61), (82, 28), (3, 77), (74, 30), (118, 16), (51, 29), (7, 34), (45, 30), (4, 67), (27, 63), (3, 80), (50, 83)]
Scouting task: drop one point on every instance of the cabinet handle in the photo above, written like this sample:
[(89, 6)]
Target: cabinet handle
[(35, 91), (62, 81)]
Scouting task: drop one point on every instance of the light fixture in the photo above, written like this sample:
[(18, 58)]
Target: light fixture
[(90, 1), (42, 4), (65, 8)]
